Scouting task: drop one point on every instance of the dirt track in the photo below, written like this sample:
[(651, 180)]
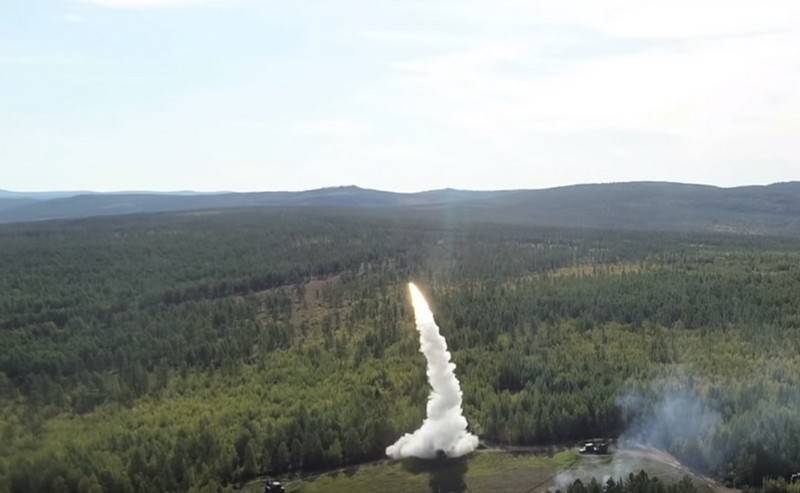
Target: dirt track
[(631, 459), (669, 460)]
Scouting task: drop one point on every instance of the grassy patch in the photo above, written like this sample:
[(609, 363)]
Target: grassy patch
[(489, 471), (482, 471)]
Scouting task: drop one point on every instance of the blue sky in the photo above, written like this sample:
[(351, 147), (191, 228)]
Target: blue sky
[(396, 94)]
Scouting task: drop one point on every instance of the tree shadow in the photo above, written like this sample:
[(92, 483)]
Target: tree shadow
[(446, 475)]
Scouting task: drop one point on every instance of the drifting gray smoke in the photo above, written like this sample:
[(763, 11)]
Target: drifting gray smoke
[(677, 417), (445, 427), (678, 421)]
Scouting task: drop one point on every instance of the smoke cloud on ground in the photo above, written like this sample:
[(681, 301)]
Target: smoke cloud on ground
[(618, 466), (677, 420), (663, 420), (677, 416), (445, 427)]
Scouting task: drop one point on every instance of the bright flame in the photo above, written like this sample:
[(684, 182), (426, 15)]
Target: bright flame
[(422, 311)]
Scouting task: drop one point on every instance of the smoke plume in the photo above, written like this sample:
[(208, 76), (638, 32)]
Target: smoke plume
[(445, 427), (677, 416), (675, 420)]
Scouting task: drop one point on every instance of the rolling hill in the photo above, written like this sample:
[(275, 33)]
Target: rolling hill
[(771, 209)]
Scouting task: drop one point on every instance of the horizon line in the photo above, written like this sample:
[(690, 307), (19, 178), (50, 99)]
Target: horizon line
[(76, 192)]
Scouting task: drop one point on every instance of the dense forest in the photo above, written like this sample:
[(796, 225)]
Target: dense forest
[(192, 351)]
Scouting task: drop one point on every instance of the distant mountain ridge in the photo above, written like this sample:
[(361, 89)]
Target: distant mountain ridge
[(97, 204), (762, 209)]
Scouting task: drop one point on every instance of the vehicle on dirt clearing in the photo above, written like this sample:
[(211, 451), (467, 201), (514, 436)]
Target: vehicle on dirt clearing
[(594, 447), (273, 486)]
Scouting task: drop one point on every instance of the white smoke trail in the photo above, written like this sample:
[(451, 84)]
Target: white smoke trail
[(445, 428)]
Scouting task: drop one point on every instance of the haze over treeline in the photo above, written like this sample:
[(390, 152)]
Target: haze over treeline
[(772, 209)]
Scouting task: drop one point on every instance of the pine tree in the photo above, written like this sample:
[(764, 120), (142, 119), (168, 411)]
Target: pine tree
[(312, 453), (280, 461), (266, 460), (89, 484), (250, 466), (296, 454), (333, 456), (352, 446)]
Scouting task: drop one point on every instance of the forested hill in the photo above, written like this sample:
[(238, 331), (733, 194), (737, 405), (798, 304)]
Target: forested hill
[(772, 209), (94, 204)]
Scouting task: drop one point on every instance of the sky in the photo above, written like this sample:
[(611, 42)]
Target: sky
[(400, 95)]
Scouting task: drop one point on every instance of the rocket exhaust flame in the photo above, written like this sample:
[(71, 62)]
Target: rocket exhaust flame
[(445, 427)]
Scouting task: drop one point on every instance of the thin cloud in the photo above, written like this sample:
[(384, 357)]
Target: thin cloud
[(416, 38), (144, 4), (332, 127), (74, 18), (36, 60), (475, 94), (667, 19)]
